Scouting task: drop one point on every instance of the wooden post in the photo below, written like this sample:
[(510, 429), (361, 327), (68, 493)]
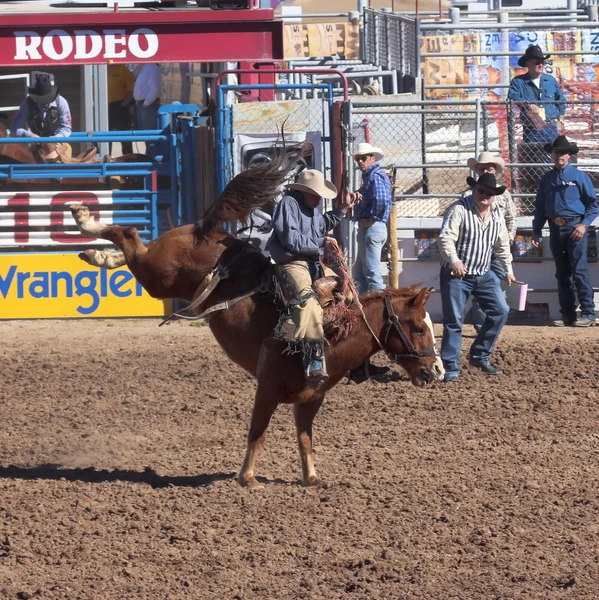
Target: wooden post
[(393, 252)]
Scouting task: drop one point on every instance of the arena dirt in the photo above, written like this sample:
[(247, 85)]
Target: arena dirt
[(120, 443)]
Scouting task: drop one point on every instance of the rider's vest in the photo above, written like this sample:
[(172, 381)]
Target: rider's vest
[(36, 122)]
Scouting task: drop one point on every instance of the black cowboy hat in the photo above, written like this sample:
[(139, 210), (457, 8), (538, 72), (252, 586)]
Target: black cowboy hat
[(532, 52), (44, 91), (489, 181), (562, 144)]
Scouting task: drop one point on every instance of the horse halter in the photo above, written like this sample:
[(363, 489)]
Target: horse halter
[(394, 323)]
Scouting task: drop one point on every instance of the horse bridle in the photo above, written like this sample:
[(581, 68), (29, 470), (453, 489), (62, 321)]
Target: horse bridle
[(394, 323)]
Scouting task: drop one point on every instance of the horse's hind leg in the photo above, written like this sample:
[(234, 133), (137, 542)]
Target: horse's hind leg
[(125, 238), (264, 408), (304, 417)]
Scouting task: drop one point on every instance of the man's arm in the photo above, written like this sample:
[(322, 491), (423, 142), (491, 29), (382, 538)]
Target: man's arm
[(559, 96), (511, 217), (154, 85), (515, 91), (19, 122), (64, 115), (589, 198), (539, 218), (501, 250), (450, 232)]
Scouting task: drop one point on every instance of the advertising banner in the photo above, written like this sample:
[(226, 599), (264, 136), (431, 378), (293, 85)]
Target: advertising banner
[(54, 286)]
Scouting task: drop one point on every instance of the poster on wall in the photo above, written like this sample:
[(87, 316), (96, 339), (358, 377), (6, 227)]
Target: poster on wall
[(521, 40), (523, 249), (425, 245)]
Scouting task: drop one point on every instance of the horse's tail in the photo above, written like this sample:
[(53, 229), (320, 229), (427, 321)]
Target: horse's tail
[(250, 189)]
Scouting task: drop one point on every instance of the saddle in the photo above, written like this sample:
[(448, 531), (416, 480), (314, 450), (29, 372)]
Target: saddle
[(52, 153)]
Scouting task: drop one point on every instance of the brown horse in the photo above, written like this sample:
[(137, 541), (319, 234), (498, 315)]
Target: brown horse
[(177, 263)]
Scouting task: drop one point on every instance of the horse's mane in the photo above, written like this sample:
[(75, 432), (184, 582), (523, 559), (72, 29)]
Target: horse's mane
[(248, 190), (406, 293)]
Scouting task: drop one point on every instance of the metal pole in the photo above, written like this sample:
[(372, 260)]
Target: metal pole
[(102, 96), (573, 6), (503, 18), (454, 15), (423, 143), (477, 129), (593, 12)]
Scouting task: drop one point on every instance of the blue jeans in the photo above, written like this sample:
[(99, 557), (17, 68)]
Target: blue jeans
[(367, 268), (571, 270), (476, 312), (454, 296), (147, 118)]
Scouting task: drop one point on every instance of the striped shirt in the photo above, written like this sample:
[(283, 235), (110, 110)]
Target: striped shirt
[(467, 238)]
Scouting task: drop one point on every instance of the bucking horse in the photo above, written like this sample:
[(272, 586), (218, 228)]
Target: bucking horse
[(229, 281)]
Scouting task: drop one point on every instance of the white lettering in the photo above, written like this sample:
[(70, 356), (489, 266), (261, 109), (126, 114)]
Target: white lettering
[(50, 49), (114, 38), (26, 45), (151, 42), (81, 37)]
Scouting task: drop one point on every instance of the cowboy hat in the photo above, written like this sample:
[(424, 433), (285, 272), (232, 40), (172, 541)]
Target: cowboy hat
[(312, 181), (532, 52), (365, 148), (44, 91), (562, 144), (489, 181), (487, 158)]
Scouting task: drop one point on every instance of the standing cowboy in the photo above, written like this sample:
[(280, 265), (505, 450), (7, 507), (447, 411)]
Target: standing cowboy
[(44, 113), (542, 107), (295, 244), (146, 92), (567, 199), (473, 229)]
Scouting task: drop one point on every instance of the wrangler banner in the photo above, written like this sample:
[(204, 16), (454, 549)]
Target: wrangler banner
[(54, 286)]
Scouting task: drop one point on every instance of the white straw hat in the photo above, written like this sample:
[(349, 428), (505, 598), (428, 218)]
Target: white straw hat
[(312, 181), (486, 158), (364, 148)]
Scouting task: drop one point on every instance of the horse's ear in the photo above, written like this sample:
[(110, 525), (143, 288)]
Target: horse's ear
[(421, 298)]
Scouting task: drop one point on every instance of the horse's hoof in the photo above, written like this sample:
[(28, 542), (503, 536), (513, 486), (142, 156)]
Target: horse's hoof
[(80, 212), (88, 256), (251, 483), (313, 480)]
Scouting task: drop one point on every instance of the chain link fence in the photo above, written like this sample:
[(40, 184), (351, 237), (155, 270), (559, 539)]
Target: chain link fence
[(427, 146)]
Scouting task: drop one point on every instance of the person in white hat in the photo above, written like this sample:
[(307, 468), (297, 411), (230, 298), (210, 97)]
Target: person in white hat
[(488, 162), (371, 214), (44, 113), (297, 238)]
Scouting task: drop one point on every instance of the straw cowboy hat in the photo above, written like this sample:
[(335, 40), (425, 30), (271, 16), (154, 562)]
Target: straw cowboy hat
[(312, 181), (364, 149), (489, 181), (44, 91), (562, 144), (487, 158), (532, 53)]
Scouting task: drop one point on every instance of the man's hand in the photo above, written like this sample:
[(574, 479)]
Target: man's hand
[(510, 278), (578, 232), (535, 239), (561, 128), (346, 202), (365, 223), (533, 108), (458, 269)]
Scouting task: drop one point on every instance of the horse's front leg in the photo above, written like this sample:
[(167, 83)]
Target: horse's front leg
[(264, 407), (304, 417)]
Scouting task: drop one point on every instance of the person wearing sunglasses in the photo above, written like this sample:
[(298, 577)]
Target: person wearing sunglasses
[(542, 106), (567, 199), (473, 230)]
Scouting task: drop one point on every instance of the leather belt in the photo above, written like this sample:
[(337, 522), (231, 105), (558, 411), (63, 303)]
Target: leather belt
[(561, 221)]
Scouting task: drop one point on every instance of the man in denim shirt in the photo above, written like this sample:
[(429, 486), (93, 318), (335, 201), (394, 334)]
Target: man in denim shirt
[(541, 103), (566, 199)]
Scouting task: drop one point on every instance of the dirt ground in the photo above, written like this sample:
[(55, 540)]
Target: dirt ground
[(121, 441)]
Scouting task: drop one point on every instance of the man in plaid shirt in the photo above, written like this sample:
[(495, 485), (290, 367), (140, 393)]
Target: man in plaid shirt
[(372, 214)]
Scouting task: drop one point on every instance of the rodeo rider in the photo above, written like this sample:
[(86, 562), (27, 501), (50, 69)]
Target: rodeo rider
[(295, 244)]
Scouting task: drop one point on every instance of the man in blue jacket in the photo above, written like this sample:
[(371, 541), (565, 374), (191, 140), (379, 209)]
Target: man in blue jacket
[(542, 106), (567, 200)]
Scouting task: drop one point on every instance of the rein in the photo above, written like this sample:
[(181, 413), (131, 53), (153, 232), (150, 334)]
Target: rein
[(393, 322)]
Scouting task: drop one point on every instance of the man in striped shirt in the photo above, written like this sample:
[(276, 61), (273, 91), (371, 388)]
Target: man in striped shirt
[(473, 230)]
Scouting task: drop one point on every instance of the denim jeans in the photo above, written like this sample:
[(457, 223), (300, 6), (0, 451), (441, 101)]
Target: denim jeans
[(571, 270), (454, 296), (147, 118), (367, 268), (476, 313)]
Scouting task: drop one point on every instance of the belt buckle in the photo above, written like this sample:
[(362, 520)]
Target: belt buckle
[(559, 221)]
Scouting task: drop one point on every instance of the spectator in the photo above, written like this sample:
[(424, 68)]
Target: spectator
[(566, 199), (120, 96), (146, 93)]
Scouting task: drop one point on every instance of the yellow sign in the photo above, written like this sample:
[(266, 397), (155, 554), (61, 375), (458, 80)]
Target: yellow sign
[(51, 286)]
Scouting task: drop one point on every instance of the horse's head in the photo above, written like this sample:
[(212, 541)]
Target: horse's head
[(408, 337)]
